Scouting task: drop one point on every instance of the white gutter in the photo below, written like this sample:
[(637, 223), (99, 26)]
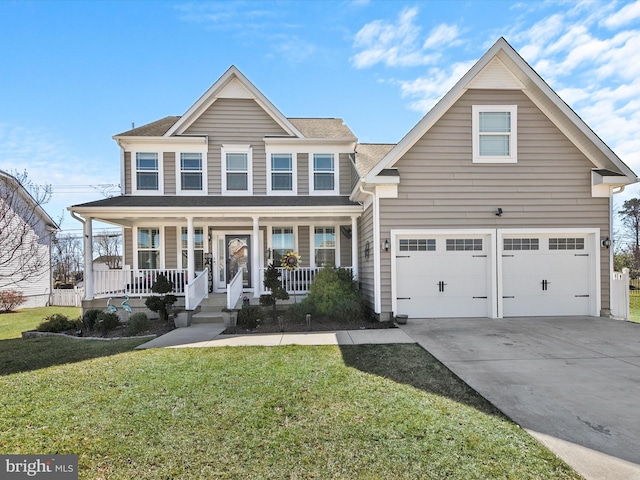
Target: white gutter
[(377, 301)]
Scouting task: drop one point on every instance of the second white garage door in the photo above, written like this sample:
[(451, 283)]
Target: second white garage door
[(444, 276)]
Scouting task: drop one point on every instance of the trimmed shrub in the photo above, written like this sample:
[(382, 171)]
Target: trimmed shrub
[(89, 319), (138, 323), (332, 288), (297, 313), (57, 323), (10, 299), (107, 321), (248, 316)]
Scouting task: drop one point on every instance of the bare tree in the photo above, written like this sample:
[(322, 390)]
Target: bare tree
[(108, 246), (67, 258), (630, 245), (24, 236)]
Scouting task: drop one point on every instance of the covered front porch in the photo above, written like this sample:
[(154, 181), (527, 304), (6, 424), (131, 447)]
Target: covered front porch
[(212, 249)]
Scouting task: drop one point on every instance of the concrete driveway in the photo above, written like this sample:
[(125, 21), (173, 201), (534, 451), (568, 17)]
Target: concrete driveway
[(572, 382)]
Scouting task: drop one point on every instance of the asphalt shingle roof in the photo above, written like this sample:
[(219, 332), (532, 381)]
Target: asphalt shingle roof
[(369, 154), (153, 129), (322, 127)]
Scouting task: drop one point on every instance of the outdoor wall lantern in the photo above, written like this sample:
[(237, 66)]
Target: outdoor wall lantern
[(499, 212), (606, 242), (385, 245)]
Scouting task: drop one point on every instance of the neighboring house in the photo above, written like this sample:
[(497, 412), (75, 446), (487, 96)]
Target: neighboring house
[(107, 262), (497, 203), (26, 232)]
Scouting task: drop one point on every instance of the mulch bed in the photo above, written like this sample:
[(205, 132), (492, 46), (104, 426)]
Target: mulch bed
[(156, 327), (318, 324)]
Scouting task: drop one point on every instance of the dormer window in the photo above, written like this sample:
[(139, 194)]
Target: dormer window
[(494, 133), (237, 170)]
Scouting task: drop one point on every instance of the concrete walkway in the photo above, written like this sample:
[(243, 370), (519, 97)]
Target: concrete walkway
[(209, 335), (572, 382)]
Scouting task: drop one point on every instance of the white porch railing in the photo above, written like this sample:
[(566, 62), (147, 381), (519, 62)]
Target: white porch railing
[(195, 291), (135, 282), (296, 281), (234, 289), (620, 294)]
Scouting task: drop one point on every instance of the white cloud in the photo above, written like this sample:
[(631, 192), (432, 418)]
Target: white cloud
[(624, 16), (397, 44)]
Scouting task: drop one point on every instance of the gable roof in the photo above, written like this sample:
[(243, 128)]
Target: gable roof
[(153, 129), (368, 155), (8, 178), (323, 128), (508, 70), (232, 84)]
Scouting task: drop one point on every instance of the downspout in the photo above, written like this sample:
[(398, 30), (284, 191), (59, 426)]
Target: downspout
[(376, 251)]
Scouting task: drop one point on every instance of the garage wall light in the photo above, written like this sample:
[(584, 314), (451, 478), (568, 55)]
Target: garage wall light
[(499, 212), (606, 242), (385, 245)]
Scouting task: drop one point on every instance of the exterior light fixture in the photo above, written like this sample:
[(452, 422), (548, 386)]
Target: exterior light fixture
[(385, 245), (606, 242), (499, 212)]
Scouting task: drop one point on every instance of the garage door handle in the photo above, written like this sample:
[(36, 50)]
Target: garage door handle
[(403, 298), (441, 285), (545, 284), (507, 256), (403, 256), (509, 297), (581, 296), (479, 297), (484, 256), (581, 254)]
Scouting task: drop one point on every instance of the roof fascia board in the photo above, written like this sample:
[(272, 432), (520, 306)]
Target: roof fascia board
[(185, 140), (27, 197), (209, 97)]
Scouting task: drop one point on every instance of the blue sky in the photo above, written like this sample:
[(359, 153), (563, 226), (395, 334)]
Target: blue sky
[(72, 74)]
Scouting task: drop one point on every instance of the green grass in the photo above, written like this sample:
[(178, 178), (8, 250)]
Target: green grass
[(13, 324), (383, 411), (634, 308)]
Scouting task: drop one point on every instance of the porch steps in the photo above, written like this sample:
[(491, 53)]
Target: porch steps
[(210, 309)]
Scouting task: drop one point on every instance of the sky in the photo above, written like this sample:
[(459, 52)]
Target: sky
[(73, 74)]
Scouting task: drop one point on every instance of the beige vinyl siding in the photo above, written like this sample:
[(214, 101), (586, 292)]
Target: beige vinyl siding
[(345, 249), (169, 165), (365, 274), (170, 247), (304, 248), (127, 247), (303, 174), (440, 187), (127, 173), (344, 174), (240, 122)]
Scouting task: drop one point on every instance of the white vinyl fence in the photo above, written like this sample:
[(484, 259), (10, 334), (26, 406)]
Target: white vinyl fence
[(66, 297), (620, 294)]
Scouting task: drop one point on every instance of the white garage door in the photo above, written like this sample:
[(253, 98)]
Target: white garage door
[(443, 276), (545, 275)]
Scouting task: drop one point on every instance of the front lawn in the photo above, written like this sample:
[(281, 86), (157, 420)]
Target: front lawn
[(634, 308), (383, 411), (13, 324)]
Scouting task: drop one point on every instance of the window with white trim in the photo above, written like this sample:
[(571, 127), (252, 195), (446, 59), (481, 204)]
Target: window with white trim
[(191, 173), (236, 170), (281, 172), (324, 169), (417, 245), (198, 247), (324, 243), (521, 244), (148, 248), (494, 133), (282, 241), (463, 244), (566, 244), (147, 171)]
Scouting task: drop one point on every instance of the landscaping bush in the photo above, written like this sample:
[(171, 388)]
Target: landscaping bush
[(10, 299), (107, 321), (332, 291), (297, 313), (89, 319), (57, 323), (248, 316), (138, 323), (164, 301)]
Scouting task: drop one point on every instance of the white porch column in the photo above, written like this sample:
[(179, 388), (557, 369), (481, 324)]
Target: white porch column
[(191, 256), (255, 258), (87, 230), (354, 246)]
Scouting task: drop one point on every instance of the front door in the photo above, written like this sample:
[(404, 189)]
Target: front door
[(238, 255)]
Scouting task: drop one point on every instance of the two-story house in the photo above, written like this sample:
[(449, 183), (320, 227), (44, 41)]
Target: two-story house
[(497, 203)]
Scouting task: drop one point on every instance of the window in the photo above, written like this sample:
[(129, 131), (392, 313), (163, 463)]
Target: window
[(191, 171), (324, 240), (494, 133), (148, 248), (323, 172), (281, 172), (463, 244), (281, 242), (521, 244), (418, 245), (146, 171), (566, 244), (236, 170), (198, 246)]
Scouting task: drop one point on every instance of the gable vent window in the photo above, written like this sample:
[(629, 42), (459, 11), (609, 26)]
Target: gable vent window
[(521, 244), (494, 133), (147, 171), (463, 244), (417, 245), (566, 244)]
